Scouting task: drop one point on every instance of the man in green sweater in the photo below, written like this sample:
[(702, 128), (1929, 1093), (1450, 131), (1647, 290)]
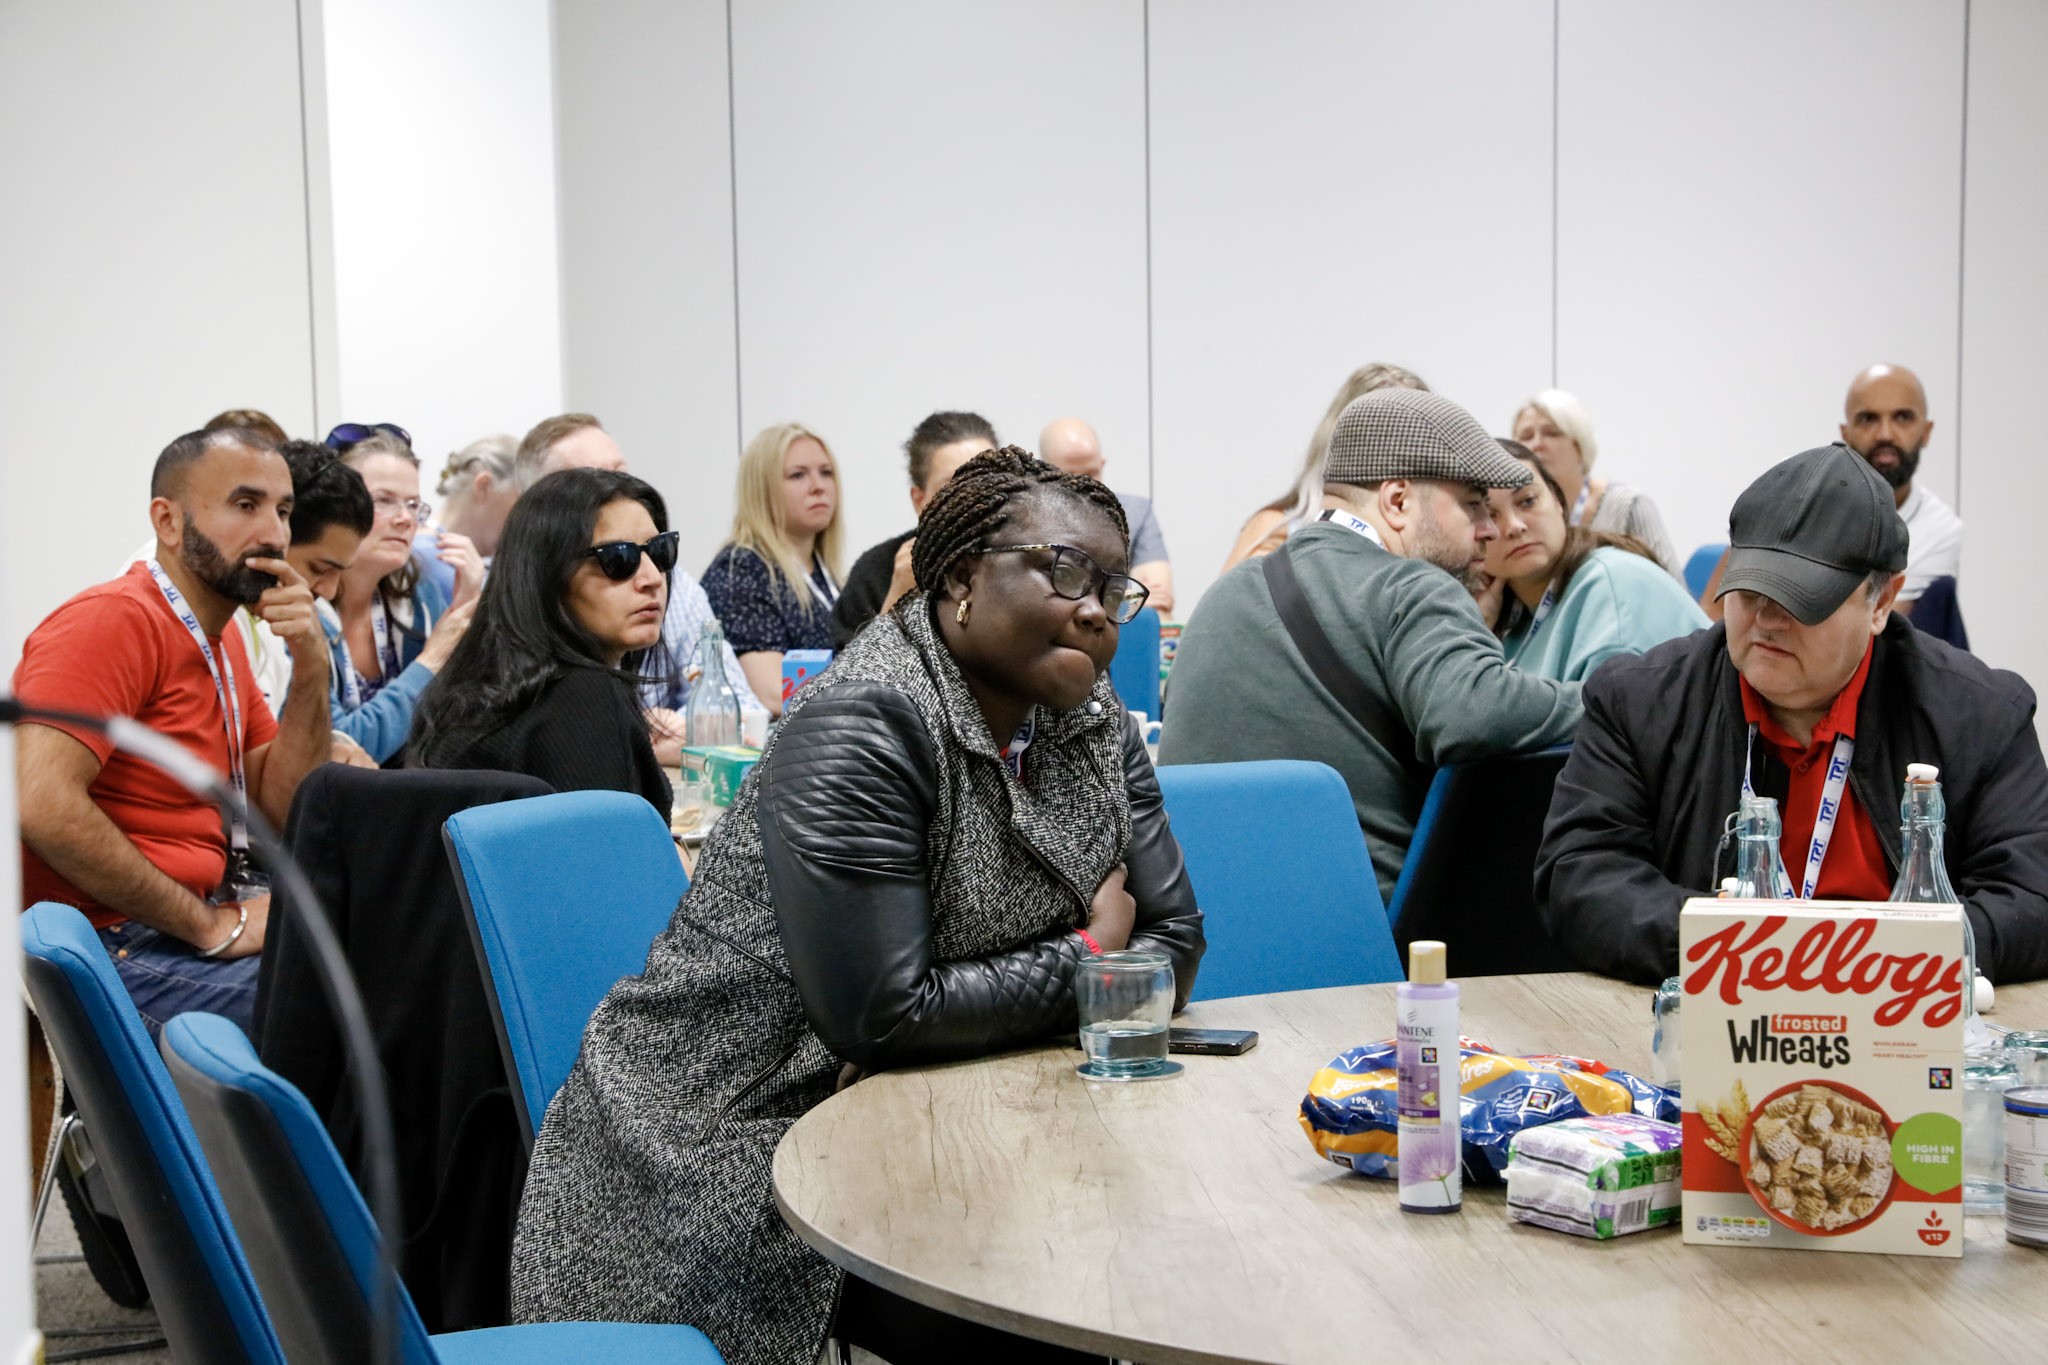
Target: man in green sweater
[(1357, 644)]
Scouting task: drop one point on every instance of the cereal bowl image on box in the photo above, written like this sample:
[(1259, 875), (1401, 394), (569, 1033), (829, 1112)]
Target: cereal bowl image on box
[(1819, 1157)]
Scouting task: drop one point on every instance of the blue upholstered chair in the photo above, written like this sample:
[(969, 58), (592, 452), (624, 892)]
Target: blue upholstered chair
[(205, 1296), (564, 894), (1280, 870), (1134, 672), (1700, 567), (313, 1242), (1469, 877)]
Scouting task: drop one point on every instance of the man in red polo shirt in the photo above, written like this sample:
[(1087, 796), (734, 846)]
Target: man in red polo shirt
[(1811, 687), (151, 865)]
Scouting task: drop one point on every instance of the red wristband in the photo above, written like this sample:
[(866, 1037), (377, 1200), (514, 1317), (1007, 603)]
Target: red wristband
[(1086, 938)]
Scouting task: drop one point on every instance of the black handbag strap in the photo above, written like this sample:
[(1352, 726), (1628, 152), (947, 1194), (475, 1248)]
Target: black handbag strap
[(1343, 683)]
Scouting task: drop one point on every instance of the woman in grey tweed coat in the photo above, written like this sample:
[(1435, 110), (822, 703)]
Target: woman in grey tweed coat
[(886, 890)]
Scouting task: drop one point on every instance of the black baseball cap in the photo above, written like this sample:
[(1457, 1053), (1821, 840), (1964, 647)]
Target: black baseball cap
[(1811, 530)]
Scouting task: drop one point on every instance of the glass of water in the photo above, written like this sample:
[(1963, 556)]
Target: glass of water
[(1126, 1003), (2028, 1052), (1985, 1081)]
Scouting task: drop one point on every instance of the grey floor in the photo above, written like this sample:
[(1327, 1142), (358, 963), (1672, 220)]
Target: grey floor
[(67, 1298)]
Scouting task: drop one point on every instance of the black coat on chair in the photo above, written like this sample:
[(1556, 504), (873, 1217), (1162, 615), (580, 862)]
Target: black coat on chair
[(371, 843)]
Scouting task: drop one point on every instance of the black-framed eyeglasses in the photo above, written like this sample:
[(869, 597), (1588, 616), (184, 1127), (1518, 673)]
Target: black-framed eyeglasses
[(1074, 576), (349, 434), (619, 560)]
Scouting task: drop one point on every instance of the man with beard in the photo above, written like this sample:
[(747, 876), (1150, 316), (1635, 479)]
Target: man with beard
[(1885, 421), (1813, 693), (1358, 645), (165, 883)]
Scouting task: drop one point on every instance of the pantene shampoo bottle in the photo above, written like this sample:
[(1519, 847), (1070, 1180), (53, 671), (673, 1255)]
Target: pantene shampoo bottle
[(1429, 1141)]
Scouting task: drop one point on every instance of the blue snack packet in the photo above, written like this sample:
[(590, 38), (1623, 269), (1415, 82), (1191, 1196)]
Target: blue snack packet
[(1351, 1110)]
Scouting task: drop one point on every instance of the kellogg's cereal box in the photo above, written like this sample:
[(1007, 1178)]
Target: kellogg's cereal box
[(1823, 1075)]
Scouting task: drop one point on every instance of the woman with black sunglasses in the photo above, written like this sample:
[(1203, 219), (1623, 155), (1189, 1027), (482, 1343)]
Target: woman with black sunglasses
[(947, 826), (547, 680)]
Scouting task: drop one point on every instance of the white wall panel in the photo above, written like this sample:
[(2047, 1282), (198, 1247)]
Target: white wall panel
[(2005, 351), (1755, 200), (940, 206), (155, 264), (441, 149), (1332, 184), (645, 169)]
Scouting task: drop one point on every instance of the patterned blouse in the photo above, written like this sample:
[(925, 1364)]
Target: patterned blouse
[(762, 611)]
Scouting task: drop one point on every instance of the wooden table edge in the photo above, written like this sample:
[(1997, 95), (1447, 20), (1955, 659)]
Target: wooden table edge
[(1049, 1330)]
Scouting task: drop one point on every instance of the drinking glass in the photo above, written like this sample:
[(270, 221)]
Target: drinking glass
[(1985, 1081), (2028, 1051), (1126, 1003)]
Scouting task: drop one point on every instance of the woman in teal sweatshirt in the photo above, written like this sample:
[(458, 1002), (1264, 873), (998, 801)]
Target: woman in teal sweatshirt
[(1563, 598)]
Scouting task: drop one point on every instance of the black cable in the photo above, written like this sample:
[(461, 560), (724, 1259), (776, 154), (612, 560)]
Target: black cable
[(366, 1072)]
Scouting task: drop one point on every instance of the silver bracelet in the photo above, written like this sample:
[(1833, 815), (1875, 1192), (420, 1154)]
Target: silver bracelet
[(217, 949)]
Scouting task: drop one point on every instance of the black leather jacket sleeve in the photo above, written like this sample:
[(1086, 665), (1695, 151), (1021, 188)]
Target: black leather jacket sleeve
[(844, 806)]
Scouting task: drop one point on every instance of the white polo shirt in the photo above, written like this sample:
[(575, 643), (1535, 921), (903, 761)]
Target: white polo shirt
[(1935, 541)]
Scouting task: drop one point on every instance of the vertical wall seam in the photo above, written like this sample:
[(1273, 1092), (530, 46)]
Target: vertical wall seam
[(1962, 251), (732, 144), (1151, 442), (306, 221), (1556, 146)]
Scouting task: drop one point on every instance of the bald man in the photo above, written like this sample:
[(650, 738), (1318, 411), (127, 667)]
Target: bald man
[(1885, 421), (1072, 445)]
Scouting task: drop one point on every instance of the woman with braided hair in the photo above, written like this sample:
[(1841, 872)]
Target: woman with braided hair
[(949, 822)]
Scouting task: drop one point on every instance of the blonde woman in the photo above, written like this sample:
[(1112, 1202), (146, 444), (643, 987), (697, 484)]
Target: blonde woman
[(476, 490), (774, 583), (1556, 426), (1270, 526)]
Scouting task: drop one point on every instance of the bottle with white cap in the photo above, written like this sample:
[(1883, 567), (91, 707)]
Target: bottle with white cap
[(1923, 874)]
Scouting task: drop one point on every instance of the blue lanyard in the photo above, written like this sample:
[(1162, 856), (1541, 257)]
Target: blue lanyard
[(1579, 503), (217, 666), (1824, 818)]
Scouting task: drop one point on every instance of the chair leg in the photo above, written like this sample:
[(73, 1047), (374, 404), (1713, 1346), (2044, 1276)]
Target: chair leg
[(48, 1184)]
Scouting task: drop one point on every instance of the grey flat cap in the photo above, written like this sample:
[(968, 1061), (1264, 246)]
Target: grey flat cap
[(1410, 434)]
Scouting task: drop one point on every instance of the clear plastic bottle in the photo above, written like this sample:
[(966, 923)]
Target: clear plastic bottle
[(712, 714), (1759, 866)]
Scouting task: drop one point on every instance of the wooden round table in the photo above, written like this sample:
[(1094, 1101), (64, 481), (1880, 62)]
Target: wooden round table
[(1189, 1220)]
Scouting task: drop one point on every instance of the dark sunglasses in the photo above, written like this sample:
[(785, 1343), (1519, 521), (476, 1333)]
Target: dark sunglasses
[(619, 560), (351, 433), (1074, 576)]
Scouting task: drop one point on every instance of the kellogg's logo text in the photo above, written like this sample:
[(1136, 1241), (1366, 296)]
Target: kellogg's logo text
[(1829, 956)]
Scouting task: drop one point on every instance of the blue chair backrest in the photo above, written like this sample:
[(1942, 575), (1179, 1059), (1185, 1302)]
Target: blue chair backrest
[(1469, 877), (1700, 567), (1134, 671), (170, 1207), (309, 1234), (565, 894), (1280, 869)]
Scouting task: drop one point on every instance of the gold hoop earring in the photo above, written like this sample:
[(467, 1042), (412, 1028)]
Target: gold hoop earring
[(960, 616)]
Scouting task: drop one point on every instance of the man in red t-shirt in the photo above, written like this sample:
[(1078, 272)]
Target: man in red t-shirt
[(110, 833)]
